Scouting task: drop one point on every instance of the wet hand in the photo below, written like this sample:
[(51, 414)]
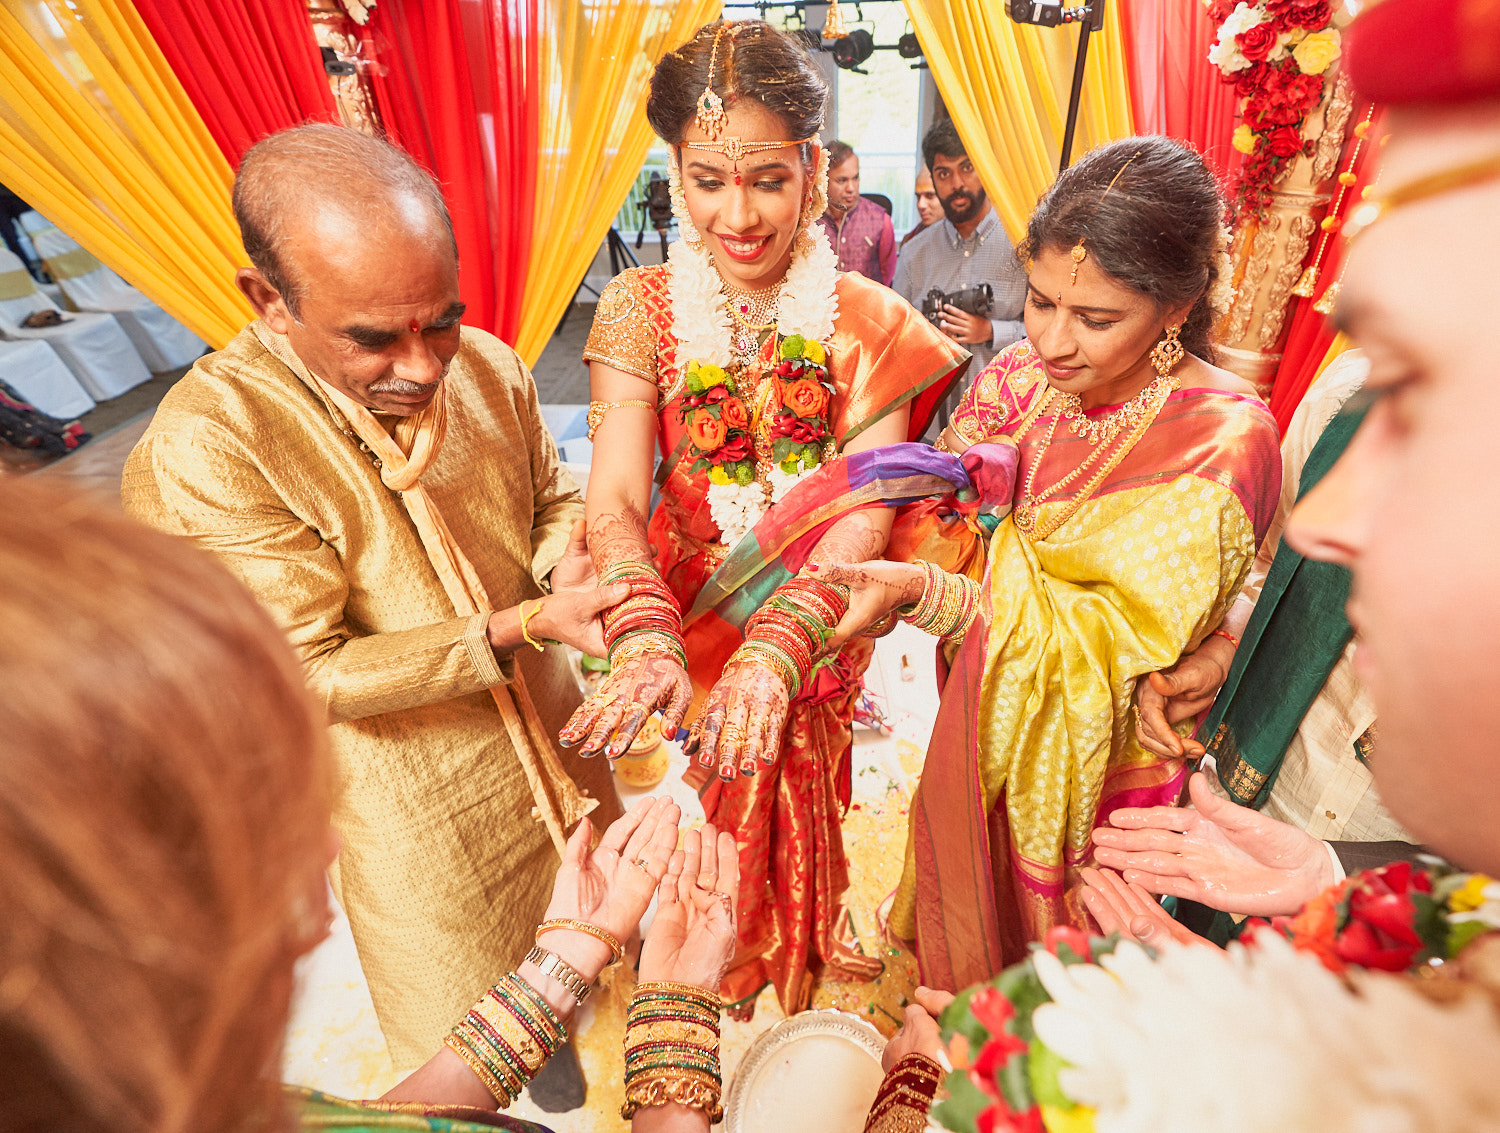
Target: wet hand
[(628, 696), (1119, 906), (1225, 856), (740, 726)]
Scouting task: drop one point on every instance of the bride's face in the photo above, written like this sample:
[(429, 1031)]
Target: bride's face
[(747, 213)]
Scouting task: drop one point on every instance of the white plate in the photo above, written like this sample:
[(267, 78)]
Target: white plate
[(817, 1072)]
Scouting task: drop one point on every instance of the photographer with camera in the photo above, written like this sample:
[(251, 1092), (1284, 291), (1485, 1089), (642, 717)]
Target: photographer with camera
[(962, 272)]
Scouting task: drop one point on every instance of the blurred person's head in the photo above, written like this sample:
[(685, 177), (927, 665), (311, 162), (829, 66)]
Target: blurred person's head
[(843, 178), (164, 804), (1412, 508), (747, 211), (354, 261), (953, 175), (929, 208), (1145, 215)]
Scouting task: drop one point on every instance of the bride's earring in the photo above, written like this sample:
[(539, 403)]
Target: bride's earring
[(1168, 352)]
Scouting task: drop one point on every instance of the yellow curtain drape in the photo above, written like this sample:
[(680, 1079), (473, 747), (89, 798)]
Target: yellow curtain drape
[(1006, 86), (97, 133), (596, 59)]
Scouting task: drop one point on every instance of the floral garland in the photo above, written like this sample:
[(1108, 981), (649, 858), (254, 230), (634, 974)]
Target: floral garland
[(1090, 1030), (715, 389), (1276, 53)]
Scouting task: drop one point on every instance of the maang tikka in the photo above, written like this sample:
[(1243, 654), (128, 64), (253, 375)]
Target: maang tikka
[(711, 118), (1080, 250)]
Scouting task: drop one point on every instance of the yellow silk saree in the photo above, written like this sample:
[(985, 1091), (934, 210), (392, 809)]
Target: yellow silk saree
[(1033, 743)]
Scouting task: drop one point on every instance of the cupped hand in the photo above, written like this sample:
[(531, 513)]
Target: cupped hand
[(625, 700), (1119, 906), (611, 886), (919, 1032), (876, 588), (742, 720), (692, 937), (1225, 856), (1179, 693)]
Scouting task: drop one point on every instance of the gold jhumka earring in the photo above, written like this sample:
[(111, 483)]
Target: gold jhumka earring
[(1168, 352)]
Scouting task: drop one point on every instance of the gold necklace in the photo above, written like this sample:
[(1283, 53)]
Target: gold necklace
[(1025, 514), (752, 312), (1111, 425)]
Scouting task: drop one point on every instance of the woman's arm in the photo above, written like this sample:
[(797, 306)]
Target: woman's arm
[(740, 727), (615, 511)]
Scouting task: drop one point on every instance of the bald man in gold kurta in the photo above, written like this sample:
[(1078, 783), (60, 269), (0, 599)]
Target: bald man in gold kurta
[(279, 453)]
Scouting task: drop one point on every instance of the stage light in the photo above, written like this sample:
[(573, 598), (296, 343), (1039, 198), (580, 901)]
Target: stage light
[(854, 49), (907, 46)]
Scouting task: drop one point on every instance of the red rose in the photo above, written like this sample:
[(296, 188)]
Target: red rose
[(803, 432), (1219, 10), (733, 414), (1313, 16), (805, 397), (1256, 43), (996, 1052), (706, 432), (1303, 91), (1284, 141), (993, 1008), (713, 395), (1074, 938), (738, 447)]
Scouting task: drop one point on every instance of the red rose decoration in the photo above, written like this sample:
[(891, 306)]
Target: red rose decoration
[(1313, 16), (737, 448), (705, 431), (803, 432), (996, 1052), (1284, 141), (1074, 938), (805, 397), (992, 1008), (713, 395), (733, 414), (1256, 43), (1252, 78)]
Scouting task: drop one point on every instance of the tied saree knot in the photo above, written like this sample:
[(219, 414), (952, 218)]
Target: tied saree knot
[(403, 459)]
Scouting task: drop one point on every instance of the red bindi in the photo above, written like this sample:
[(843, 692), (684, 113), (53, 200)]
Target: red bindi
[(414, 326)]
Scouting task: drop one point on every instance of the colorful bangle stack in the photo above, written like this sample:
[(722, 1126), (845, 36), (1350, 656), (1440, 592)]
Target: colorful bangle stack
[(648, 621), (905, 1096), (672, 1049), (790, 632), (948, 605), (507, 1037)]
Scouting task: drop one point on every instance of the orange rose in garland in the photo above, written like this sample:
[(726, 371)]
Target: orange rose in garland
[(732, 413), (707, 431), (805, 397)]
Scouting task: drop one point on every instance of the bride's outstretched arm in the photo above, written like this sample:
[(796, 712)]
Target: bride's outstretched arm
[(740, 727), (649, 675)]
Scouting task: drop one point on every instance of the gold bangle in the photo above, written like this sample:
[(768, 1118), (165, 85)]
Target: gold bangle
[(683, 1088), (525, 618), (604, 936), (597, 410)]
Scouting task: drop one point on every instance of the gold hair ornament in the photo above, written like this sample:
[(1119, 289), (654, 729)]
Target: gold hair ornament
[(1080, 251), (711, 118), (1433, 185)]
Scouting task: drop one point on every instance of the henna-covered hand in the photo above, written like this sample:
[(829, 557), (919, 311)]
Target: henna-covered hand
[(875, 589), (626, 700), (742, 720)]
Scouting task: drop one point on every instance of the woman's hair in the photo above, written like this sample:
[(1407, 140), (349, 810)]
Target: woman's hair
[(164, 801), (755, 61), (1150, 214)]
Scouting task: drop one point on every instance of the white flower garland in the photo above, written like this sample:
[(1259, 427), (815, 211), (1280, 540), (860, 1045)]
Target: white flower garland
[(1250, 1040), (808, 305)]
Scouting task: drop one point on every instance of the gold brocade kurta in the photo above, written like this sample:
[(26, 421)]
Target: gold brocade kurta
[(444, 870)]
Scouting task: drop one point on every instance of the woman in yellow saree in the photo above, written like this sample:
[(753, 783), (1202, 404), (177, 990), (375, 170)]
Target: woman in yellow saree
[(1145, 481)]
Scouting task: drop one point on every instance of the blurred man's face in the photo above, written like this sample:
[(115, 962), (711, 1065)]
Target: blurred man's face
[(843, 185), (929, 208), (1413, 507), (958, 188)]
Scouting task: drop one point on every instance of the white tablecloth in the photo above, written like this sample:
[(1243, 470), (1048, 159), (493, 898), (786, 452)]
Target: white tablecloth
[(38, 375)]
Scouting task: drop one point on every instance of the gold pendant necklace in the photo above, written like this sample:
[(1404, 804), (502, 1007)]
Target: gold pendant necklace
[(752, 313)]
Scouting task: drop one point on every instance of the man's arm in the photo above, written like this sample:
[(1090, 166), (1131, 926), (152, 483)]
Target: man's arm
[(225, 504)]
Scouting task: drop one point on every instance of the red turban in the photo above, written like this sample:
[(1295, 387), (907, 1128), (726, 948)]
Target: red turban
[(1400, 52)]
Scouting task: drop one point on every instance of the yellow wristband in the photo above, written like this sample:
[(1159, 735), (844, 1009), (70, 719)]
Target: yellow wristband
[(526, 618)]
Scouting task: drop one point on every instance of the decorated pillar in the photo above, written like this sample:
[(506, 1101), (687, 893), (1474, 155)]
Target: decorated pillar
[(1297, 114), (333, 27)]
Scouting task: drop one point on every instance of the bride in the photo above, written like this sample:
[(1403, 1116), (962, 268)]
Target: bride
[(748, 361)]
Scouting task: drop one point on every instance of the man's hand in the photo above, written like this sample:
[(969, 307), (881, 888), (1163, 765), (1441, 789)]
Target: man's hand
[(575, 570), (1120, 906), (964, 328), (1221, 855), (919, 1032), (1179, 693)]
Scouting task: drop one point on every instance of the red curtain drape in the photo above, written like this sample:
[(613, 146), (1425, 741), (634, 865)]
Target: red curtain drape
[(1176, 90), (453, 83), (1310, 334), (251, 67)]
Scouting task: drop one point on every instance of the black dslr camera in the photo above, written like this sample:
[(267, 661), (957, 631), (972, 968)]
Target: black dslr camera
[(975, 300)]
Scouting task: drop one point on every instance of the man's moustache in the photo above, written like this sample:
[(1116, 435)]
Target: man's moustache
[(399, 386)]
